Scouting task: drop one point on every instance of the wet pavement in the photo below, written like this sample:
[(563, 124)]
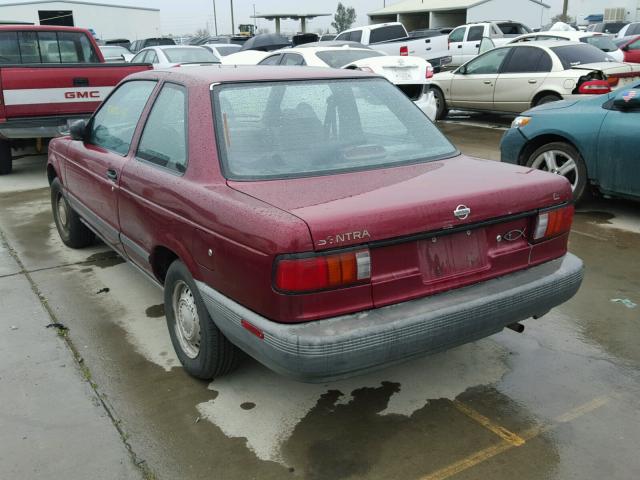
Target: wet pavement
[(558, 401)]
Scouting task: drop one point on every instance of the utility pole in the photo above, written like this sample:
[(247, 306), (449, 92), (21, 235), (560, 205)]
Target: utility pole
[(565, 8), (255, 20), (233, 31), (215, 18)]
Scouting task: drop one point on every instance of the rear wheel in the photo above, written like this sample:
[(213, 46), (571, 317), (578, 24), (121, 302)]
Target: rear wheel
[(442, 110), (72, 231), (6, 160), (562, 159), (547, 98), (201, 347)]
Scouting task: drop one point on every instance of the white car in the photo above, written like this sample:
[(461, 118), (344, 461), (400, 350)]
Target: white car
[(222, 49), (115, 53), (410, 74), (598, 40), (245, 57), (167, 56), (514, 78)]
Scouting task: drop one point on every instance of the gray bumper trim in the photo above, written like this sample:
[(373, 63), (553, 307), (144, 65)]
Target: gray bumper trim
[(342, 346)]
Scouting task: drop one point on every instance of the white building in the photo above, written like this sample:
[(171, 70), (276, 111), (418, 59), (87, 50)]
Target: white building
[(415, 14), (107, 21)]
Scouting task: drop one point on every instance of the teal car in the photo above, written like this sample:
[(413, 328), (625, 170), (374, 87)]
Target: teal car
[(593, 142)]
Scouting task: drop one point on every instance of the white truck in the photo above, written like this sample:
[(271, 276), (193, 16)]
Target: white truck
[(464, 41), (392, 38)]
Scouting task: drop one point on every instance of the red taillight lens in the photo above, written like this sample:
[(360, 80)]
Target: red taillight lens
[(429, 73), (595, 87), (323, 272), (553, 223), (404, 51)]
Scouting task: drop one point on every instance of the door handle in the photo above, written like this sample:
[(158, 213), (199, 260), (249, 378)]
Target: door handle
[(532, 82), (459, 46), (477, 45), (112, 174), (487, 82)]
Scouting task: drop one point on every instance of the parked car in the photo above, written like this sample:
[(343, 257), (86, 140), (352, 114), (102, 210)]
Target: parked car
[(392, 38), (313, 218), (607, 27), (514, 78), (115, 54), (629, 30), (138, 45), (464, 41), (592, 142), (222, 49), (168, 56), (630, 47), (328, 37), (410, 74), (598, 40), (49, 75)]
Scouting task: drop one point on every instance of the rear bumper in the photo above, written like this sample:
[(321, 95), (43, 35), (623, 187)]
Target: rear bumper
[(351, 344), (38, 127)]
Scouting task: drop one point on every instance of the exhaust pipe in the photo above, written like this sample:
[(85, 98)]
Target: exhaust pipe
[(516, 327)]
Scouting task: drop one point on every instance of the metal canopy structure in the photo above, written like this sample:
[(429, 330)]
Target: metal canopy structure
[(303, 17)]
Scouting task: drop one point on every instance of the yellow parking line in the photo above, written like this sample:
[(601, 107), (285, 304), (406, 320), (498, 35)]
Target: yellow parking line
[(529, 434), (502, 432)]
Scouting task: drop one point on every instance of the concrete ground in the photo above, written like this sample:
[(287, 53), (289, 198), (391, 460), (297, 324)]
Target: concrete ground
[(559, 401)]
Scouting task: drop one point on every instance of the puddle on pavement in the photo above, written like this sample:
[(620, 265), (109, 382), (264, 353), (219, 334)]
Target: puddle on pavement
[(105, 259)]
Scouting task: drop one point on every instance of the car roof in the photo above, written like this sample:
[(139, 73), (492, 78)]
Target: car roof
[(302, 50), (43, 28), (206, 75), (545, 44)]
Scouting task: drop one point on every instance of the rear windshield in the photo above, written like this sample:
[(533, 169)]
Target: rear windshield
[(225, 50), (316, 127), (512, 29), (190, 55), (155, 42), (46, 47), (574, 55), (383, 34), (602, 42), (340, 58)]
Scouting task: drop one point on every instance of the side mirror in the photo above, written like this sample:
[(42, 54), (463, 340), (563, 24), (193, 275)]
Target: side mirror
[(462, 70), (78, 130), (626, 48), (627, 99)]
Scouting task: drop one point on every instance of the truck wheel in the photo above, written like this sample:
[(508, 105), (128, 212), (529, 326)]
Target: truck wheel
[(201, 347), (442, 110), (562, 159), (72, 231), (6, 160)]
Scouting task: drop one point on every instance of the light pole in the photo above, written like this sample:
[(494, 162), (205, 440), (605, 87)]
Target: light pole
[(215, 18), (233, 31)]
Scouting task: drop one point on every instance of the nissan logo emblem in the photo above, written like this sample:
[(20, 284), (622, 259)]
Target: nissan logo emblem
[(462, 212)]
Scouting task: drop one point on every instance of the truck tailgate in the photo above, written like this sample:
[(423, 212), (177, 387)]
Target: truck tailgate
[(43, 90)]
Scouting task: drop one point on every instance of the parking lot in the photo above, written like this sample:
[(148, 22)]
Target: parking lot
[(558, 401)]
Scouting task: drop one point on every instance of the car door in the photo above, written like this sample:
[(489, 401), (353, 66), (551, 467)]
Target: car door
[(93, 167), (471, 45), (618, 167), (456, 40), (148, 200), (632, 52), (473, 84), (521, 76)]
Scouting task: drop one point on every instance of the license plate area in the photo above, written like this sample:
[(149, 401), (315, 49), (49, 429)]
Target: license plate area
[(453, 255)]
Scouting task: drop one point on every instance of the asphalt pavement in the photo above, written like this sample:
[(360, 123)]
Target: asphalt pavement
[(106, 397)]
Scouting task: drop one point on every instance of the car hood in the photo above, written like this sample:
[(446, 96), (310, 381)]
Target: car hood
[(401, 201), (553, 106)]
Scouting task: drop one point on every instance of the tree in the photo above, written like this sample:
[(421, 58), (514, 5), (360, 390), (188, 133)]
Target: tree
[(344, 18), (561, 17), (202, 33)]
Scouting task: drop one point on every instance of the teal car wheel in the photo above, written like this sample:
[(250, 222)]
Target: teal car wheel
[(562, 159)]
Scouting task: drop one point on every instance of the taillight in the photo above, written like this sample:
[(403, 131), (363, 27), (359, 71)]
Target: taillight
[(404, 51), (594, 87), (552, 223), (613, 81), (429, 72), (323, 272)]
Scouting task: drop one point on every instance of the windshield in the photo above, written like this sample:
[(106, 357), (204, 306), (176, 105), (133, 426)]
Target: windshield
[(602, 42), (574, 55), (340, 58), (308, 128), (190, 55)]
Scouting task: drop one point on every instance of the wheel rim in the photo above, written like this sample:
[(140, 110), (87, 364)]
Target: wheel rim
[(63, 212), (187, 322), (560, 163)]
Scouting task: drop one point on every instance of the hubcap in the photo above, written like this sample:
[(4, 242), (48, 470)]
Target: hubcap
[(560, 163), (187, 324), (62, 211)]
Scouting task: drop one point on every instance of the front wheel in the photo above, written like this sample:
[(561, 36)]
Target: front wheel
[(562, 159), (201, 347)]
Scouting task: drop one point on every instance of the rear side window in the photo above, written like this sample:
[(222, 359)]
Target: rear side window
[(46, 47), (457, 35), (356, 36), (527, 60), (580, 54), (9, 51), (475, 34), (272, 60), (291, 59), (392, 32), (164, 139), (113, 125)]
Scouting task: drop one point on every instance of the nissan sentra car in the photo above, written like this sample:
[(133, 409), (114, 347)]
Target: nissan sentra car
[(313, 218)]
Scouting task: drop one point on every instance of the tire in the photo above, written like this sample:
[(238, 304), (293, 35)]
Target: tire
[(442, 110), (555, 157), (6, 160), (548, 98), (72, 231), (203, 350)]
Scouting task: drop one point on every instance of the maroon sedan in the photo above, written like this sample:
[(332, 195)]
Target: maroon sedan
[(631, 49), (314, 218)]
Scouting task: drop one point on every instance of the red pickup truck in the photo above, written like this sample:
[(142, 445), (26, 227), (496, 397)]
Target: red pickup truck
[(48, 76), (314, 218)]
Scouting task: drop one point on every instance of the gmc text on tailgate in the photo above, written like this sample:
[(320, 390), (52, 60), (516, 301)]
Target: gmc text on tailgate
[(49, 76)]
